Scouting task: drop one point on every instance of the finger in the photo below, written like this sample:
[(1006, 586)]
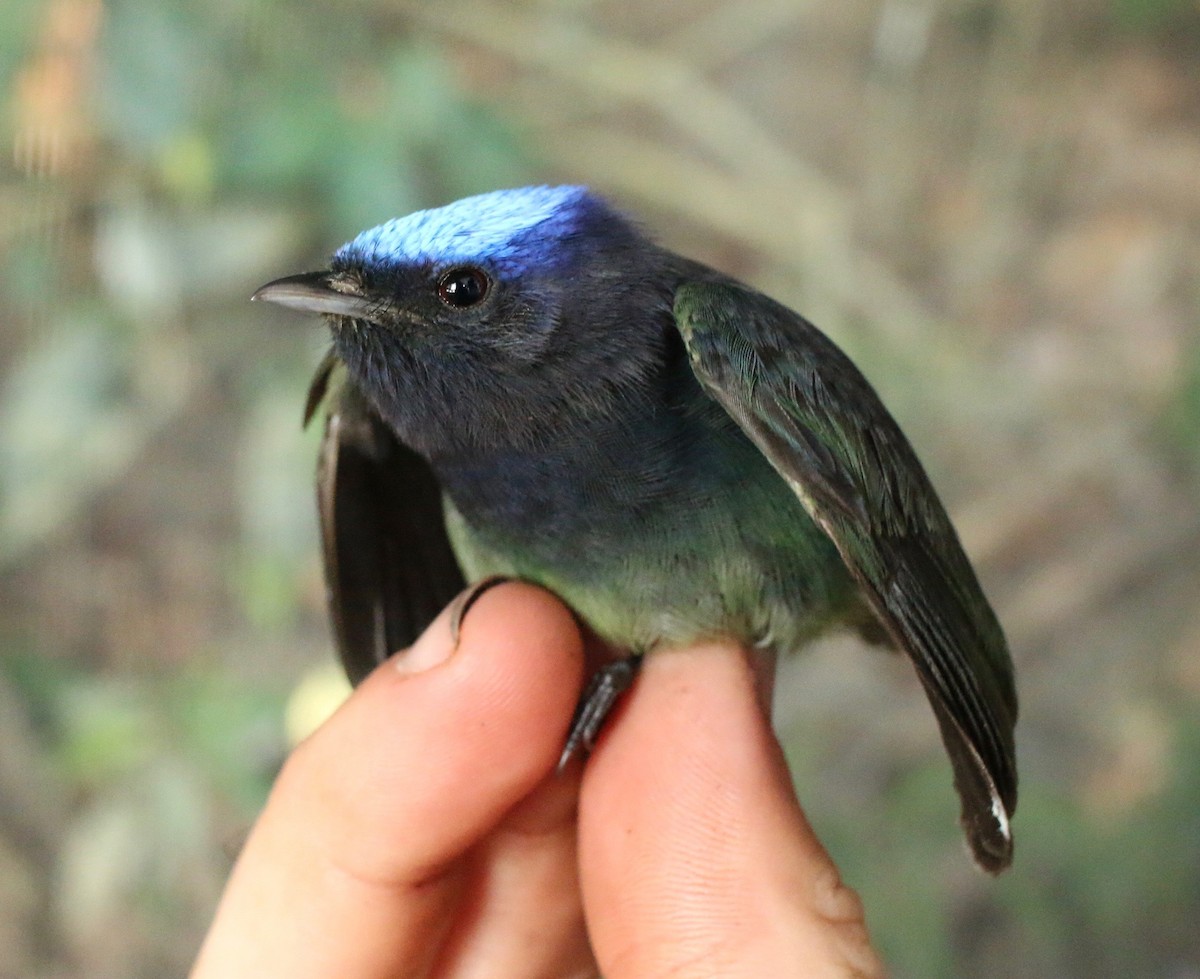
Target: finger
[(695, 856), (358, 858), (525, 915)]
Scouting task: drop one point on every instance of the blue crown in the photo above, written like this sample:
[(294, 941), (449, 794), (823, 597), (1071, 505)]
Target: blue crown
[(473, 229)]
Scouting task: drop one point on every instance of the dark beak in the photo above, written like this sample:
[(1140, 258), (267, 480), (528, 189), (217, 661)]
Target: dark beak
[(315, 292)]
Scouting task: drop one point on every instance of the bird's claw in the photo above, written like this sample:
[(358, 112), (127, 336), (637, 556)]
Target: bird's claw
[(602, 693)]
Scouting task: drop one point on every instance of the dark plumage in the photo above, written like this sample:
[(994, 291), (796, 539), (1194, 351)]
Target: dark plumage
[(522, 384)]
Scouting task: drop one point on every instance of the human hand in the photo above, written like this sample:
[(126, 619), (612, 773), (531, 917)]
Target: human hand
[(423, 831)]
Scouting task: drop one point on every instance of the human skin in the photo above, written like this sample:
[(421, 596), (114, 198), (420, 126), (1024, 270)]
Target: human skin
[(423, 830)]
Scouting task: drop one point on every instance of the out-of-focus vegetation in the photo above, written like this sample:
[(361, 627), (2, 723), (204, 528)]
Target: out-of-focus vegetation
[(995, 206)]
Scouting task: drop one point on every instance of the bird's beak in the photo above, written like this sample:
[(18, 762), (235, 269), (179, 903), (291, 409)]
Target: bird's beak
[(315, 292)]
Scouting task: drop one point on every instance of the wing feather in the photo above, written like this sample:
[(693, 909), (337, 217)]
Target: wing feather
[(389, 568), (824, 429)]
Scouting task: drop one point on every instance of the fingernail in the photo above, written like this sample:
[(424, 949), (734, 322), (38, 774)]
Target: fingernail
[(433, 648), (438, 642), (466, 599)]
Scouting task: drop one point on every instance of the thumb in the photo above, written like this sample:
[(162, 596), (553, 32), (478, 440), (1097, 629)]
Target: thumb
[(353, 866)]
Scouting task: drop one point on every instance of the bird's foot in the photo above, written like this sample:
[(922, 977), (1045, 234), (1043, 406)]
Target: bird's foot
[(597, 702)]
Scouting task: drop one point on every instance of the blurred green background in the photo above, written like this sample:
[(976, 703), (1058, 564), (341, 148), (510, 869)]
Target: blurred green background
[(994, 205)]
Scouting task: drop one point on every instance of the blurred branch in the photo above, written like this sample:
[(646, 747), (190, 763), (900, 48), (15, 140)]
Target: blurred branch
[(739, 208), (1079, 547), (1018, 511), (893, 166), (811, 215), (1000, 156), (1096, 568), (731, 31)]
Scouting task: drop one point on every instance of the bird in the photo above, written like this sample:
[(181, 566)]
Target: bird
[(524, 384)]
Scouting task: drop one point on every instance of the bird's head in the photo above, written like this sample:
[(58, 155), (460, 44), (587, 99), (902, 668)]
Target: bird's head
[(538, 294)]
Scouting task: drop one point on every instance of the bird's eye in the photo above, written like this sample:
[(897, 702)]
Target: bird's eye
[(463, 287)]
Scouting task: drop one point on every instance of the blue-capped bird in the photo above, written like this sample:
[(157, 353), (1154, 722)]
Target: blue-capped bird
[(522, 384)]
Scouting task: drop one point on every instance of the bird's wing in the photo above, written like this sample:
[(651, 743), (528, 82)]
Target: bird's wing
[(824, 429), (389, 568)]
